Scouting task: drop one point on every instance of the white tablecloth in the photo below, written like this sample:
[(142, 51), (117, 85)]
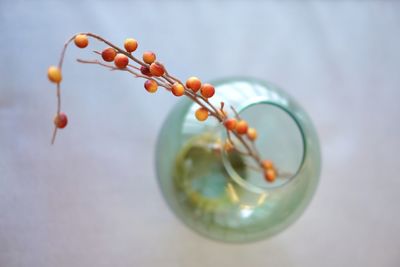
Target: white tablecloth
[(92, 199)]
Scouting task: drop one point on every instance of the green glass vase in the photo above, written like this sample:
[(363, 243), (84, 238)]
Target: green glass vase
[(222, 196)]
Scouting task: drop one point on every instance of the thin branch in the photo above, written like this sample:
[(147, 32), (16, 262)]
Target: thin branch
[(228, 134), (53, 137), (236, 113), (166, 81), (115, 47), (137, 75)]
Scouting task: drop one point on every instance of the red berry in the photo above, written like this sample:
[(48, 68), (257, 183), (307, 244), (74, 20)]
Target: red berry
[(270, 175), (81, 40), (230, 124), (193, 83), (108, 54), (61, 120), (145, 71), (157, 69), (121, 61), (241, 127), (149, 57), (207, 90), (151, 86)]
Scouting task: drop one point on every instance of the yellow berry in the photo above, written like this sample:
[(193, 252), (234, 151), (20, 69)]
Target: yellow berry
[(228, 146), (130, 45), (149, 57), (81, 40), (201, 114), (267, 164), (193, 83), (252, 134), (151, 86), (241, 127), (54, 74), (178, 89)]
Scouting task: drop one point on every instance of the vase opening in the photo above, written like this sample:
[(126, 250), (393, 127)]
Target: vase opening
[(280, 139)]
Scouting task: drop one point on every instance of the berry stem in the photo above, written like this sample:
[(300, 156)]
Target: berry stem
[(228, 134), (137, 75), (163, 79), (236, 113)]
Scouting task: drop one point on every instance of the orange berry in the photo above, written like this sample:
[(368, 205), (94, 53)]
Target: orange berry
[(60, 120), (130, 45), (270, 175), (207, 90), (228, 146), (178, 89), (201, 114), (149, 57), (193, 83), (241, 127), (230, 123), (81, 40), (157, 69), (145, 70), (121, 61), (151, 86), (267, 164), (252, 134), (108, 54), (54, 74)]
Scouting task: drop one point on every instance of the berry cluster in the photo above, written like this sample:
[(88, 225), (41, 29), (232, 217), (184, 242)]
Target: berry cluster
[(156, 75)]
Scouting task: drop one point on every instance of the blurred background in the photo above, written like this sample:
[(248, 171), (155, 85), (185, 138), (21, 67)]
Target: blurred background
[(92, 199)]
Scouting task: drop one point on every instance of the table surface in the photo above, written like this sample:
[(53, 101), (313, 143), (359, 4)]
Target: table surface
[(93, 200)]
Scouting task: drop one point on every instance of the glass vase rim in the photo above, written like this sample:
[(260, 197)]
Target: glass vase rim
[(264, 101)]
